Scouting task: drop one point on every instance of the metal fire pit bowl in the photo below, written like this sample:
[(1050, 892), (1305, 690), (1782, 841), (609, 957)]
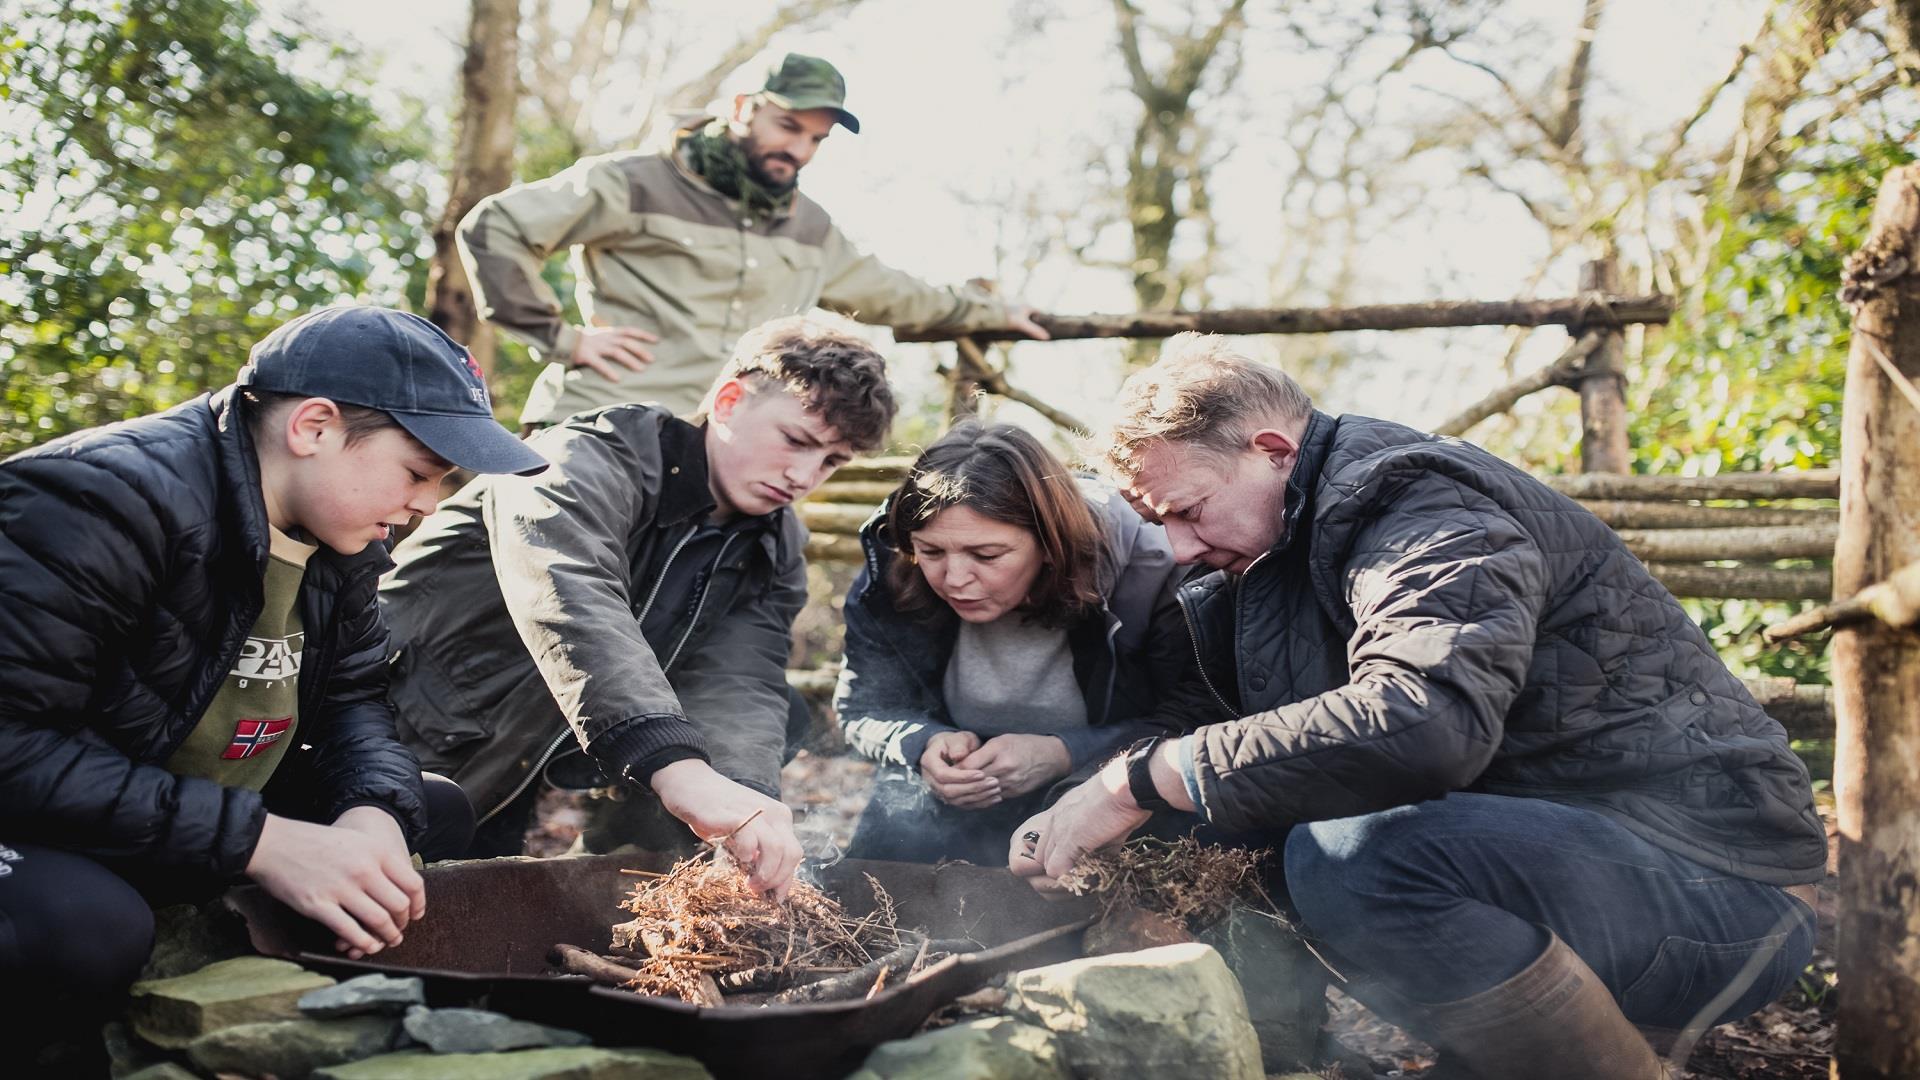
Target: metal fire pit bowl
[(491, 922)]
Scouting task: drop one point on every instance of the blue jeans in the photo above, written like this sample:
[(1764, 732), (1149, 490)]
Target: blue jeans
[(1442, 900)]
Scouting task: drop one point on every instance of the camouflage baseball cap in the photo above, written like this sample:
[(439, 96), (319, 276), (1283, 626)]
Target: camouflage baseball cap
[(808, 82)]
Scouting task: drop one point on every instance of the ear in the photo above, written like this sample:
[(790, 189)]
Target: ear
[(309, 425), (1278, 447), (727, 398)]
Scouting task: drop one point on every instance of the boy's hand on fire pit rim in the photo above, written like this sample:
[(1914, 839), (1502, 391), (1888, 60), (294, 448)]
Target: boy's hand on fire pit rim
[(353, 877), (758, 830), (1095, 814)]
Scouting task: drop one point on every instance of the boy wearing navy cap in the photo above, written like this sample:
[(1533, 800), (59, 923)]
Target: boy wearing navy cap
[(193, 678)]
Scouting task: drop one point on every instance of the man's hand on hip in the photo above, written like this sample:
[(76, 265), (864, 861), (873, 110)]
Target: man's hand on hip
[(605, 349), (758, 831), (353, 877)]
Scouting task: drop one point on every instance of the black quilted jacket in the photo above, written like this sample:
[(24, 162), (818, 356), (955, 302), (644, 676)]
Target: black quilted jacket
[(1436, 620), (131, 562)]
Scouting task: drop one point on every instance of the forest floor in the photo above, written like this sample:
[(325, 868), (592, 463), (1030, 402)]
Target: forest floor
[(1788, 1040)]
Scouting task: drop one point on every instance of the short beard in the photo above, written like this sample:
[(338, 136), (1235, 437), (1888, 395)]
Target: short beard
[(758, 173)]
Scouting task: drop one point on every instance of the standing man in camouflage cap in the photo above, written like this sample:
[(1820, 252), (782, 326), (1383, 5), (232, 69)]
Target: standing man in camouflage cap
[(677, 253)]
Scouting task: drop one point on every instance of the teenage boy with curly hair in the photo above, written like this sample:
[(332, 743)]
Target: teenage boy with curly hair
[(635, 604)]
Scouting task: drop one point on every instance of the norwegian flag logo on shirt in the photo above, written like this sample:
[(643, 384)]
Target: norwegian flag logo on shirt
[(252, 737)]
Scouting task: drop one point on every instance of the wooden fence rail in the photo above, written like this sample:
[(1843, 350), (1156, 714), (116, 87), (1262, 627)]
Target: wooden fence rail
[(1670, 522), (1602, 309)]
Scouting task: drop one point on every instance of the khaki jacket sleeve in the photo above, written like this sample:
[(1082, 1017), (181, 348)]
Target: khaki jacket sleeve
[(507, 238), (862, 287)]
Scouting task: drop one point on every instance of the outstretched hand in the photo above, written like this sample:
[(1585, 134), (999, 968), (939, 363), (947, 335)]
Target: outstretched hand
[(1095, 814), (757, 830), (353, 877)]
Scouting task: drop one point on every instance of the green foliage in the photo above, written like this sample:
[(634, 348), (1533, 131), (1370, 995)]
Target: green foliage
[(1751, 373), (176, 178)]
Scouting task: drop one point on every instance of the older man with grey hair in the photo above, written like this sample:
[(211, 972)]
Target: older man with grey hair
[(1515, 786)]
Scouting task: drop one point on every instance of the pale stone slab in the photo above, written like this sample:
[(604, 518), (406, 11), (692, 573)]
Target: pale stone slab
[(249, 989), (994, 1048), (1174, 1011)]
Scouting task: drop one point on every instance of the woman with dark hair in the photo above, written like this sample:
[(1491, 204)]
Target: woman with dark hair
[(1011, 627)]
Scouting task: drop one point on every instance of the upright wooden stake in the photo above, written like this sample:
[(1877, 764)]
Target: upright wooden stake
[(1876, 669), (1603, 385)]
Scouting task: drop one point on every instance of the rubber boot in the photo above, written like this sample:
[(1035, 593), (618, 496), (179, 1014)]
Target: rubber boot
[(1554, 1019)]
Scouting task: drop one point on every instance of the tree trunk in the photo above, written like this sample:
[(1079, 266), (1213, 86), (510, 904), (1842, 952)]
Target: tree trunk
[(1876, 669), (482, 165), (1903, 37)]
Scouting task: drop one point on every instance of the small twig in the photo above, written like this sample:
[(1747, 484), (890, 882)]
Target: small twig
[(742, 825), (579, 961), (879, 981)]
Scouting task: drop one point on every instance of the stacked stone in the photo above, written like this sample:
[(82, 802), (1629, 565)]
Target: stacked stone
[(254, 1016), (1168, 1012)]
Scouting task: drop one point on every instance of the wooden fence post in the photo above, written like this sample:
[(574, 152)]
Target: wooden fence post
[(1876, 669), (1603, 384)]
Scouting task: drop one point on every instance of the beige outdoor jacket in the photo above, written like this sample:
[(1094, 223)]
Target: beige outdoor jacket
[(655, 248)]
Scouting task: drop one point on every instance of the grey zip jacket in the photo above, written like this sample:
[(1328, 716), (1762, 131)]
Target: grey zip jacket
[(516, 611)]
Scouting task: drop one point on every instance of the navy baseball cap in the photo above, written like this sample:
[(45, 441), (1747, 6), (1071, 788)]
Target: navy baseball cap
[(402, 365)]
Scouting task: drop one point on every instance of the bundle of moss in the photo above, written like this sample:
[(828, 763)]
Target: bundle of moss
[(1190, 884)]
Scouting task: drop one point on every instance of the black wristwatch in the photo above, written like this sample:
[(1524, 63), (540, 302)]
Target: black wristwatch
[(1140, 774)]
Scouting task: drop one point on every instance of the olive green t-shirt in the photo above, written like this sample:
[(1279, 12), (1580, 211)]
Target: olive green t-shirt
[(251, 720)]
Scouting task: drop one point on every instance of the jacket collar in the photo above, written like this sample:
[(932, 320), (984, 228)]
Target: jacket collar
[(684, 491), (1315, 441)]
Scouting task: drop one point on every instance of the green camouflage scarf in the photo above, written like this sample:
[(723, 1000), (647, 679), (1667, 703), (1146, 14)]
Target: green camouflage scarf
[(722, 163)]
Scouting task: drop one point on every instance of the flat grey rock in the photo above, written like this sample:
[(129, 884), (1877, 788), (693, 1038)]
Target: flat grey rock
[(477, 1031), (381, 994)]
